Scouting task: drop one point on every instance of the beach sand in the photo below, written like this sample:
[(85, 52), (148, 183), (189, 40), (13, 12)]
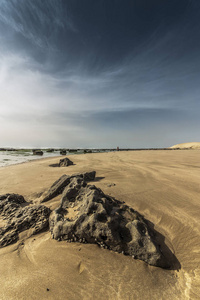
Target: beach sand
[(164, 186), (187, 146)]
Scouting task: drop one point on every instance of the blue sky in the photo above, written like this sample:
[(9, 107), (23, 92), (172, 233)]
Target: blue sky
[(99, 73)]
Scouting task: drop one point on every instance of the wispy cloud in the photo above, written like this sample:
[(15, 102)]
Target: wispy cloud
[(38, 21), (94, 74)]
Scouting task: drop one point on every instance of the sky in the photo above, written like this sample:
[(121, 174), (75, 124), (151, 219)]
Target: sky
[(99, 74)]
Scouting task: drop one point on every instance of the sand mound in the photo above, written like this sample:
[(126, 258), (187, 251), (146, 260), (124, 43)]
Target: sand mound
[(187, 146)]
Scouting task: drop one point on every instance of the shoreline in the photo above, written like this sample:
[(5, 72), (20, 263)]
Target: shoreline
[(31, 160), (121, 150)]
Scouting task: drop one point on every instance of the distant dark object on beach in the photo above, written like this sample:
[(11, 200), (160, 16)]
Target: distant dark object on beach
[(10, 149), (50, 150), (87, 151), (72, 150), (37, 152), (63, 152), (65, 162)]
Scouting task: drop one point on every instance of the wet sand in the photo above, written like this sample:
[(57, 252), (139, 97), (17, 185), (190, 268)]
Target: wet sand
[(164, 186)]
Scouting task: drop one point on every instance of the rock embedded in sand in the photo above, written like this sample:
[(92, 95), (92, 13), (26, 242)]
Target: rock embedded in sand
[(86, 214), (20, 216), (65, 162), (88, 176), (57, 188), (59, 185)]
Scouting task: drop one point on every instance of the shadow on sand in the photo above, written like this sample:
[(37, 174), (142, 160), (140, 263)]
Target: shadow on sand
[(97, 179), (58, 166), (160, 240)]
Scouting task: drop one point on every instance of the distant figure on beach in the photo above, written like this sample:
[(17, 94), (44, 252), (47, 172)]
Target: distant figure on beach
[(117, 148)]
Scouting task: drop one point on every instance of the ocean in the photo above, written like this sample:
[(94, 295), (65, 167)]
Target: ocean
[(20, 156)]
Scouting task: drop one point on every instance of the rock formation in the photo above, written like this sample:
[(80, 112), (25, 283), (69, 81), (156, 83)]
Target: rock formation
[(20, 216), (59, 185), (87, 215), (37, 152), (50, 150), (65, 162), (87, 151), (63, 152)]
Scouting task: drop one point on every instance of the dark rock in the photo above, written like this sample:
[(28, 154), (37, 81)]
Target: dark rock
[(72, 189), (3, 197), (20, 216), (11, 149), (59, 185), (37, 152), (63, 152), (57, 188), (10, 202), (88, 176), (101, 219), (87, 151), (50, 150), (65, 162)]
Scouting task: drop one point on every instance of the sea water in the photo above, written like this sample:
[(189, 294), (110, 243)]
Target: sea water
[(15, 157)]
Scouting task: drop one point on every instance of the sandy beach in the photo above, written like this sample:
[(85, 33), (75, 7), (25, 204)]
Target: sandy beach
[(161, 185)]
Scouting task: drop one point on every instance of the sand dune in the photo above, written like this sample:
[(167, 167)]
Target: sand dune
[(161, 185), (187, 146)]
